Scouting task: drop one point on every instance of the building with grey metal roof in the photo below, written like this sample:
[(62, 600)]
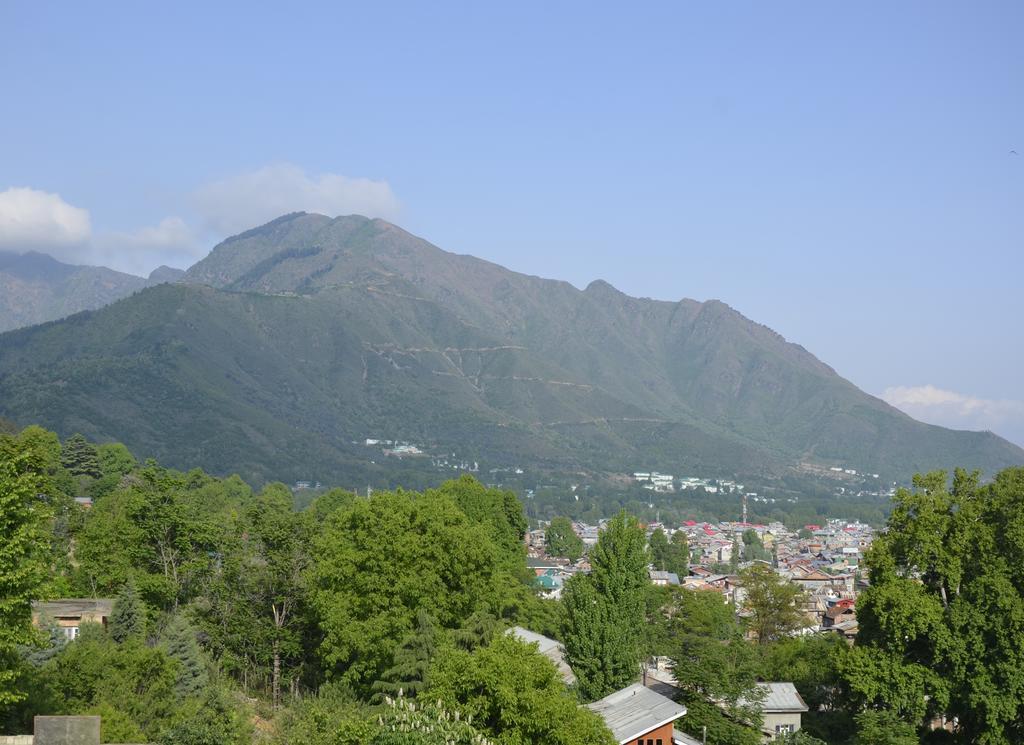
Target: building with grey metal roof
[(637, 711)]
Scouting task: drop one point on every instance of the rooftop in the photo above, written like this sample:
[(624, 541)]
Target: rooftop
[(780, 697), (548, 647), (636, 710), (66, 607)]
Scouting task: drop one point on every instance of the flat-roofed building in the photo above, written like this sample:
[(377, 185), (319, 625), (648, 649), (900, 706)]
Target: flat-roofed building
[(70, 613)]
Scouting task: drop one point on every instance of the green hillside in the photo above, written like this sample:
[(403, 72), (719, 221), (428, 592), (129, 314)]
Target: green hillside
[(35, 288), (297, 340)]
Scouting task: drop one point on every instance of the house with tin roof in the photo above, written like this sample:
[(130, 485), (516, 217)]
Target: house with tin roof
[(781, 709), (641, 716)]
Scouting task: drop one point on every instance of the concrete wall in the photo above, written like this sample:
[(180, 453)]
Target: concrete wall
[(67, 731)]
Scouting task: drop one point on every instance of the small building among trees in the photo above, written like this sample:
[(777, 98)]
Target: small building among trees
[(70, 613)]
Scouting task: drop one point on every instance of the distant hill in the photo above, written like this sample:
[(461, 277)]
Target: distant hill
[(294, 341), (35, 288)]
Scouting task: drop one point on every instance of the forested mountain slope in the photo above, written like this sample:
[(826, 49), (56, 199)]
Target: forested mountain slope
[(35, 288), (293, 341)]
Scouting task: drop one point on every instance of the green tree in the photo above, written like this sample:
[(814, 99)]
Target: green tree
[(659, 548), (880, 727), (604, 631), (514, 695), (561, 540), (497, 509), (714, 667), (333, 716), (408, 672), (162, 527), (80, 457), (942, 620), (734, 556), (678, 560), (128, 619), (23, 554), (773, 602), (753, 547), (253, 609), (381, 560), (130, 685), (179, 640)]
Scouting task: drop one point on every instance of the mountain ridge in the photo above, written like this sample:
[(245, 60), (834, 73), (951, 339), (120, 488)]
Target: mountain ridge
[(403, 340), (35, 287)]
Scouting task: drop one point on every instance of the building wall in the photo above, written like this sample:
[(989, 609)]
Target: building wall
[(662, 733), (773, 720)]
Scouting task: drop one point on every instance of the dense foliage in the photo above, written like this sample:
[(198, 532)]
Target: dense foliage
[(233, 611), (603, 610), (942, 624), (382, 619)]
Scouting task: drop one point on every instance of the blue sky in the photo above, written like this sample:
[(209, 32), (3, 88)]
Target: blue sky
[(839, 172)]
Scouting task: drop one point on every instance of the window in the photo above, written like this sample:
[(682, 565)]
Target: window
[(783, 729), (71, 632)]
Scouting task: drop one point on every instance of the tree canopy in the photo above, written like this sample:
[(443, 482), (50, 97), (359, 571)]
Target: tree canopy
[(561, 540), (942, 621), (605, 609)]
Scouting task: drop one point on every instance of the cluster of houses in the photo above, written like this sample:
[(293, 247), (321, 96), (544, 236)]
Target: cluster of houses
[(823, 560), (667, 483)]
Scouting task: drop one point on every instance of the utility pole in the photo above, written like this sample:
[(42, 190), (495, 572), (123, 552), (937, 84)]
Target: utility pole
[(744, 509)]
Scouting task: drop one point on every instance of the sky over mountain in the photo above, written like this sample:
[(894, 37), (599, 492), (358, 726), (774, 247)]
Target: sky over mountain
[(843, 175)]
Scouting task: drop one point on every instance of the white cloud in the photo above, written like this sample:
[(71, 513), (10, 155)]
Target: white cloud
[(171, 242), (33, 219), (247, 200), (960, 411)]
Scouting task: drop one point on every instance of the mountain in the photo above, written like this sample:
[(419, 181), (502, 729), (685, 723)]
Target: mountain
[(292, 342), (35, 287)]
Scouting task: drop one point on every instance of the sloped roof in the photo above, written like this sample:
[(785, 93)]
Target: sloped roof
[(681, 738), (548, 647), (781, 697), (635, 711)]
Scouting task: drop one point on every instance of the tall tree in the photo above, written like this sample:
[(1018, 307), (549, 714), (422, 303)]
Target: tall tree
[(605, 609), (679, 554), (773, 602), (497, 509), (23, 554), (561, 540), (942, 621), (80, 458), (659, 547), (880, 727), (408, 672), (128, 619), (255, 598), (181, 645), (379, 561)]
